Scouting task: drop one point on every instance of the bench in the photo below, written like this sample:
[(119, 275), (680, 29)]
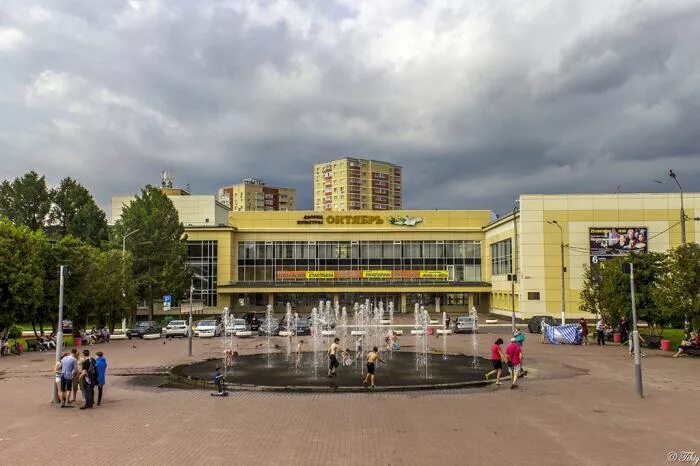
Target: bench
[(692, 351), (653, 341), (34, 345)]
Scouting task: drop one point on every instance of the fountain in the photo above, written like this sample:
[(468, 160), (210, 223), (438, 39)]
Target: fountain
[(475, 328), (316, 339), (444, 335), (226, 320), (289, 330), (343, 329), (269, 328)]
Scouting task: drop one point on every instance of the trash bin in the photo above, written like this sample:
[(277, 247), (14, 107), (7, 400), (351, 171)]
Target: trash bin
[(78, 341), (665, 345), (431, 331), (617, 338)]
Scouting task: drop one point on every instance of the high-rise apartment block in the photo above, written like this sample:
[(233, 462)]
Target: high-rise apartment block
[(357, 184), (252, 194)]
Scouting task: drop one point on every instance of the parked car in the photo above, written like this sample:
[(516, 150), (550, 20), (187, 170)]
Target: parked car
[(145, 327), (237, 325), (253, 319), (534, 325), (464, 324), (208, 328), (176, 328), (67, 326), (273, 326)]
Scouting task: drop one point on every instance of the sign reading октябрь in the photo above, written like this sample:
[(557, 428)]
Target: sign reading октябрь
[(341, 220)]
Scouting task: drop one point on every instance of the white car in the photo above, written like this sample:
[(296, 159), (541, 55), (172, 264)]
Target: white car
[(238, 325), (176, 328), (208, 328)]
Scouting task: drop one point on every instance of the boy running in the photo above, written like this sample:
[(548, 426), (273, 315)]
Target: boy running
[(333, 357), (372, 358)]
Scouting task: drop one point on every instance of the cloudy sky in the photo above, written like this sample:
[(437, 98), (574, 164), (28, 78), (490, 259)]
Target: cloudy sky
[(478, 100)]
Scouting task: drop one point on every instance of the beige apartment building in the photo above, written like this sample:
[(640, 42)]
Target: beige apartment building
[(357, 184), (252, 194)]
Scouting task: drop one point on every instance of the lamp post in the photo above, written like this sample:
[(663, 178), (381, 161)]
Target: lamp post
[(680, 188), (629, 268), (189, 343), (124, 240), (563, 271), (514, 275), (59, 335)]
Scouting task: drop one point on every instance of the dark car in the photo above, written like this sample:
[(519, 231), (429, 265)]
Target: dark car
[(67, 326), (254, 319), (302, 327), (535, 323), (145, 327), (273, 326)]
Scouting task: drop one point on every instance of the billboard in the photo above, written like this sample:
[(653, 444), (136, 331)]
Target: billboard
[(609, 242)]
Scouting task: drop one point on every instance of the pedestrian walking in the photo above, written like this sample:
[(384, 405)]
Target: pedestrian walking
[(600, 332), (497, 361), (584, 330), (514, 356), (333, 357), (101, 364), (624, 330), (372, 359)]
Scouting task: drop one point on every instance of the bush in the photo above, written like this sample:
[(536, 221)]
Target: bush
[(15, 332)]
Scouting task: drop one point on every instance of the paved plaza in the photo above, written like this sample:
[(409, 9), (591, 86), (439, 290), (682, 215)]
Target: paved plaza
[(577, 406)]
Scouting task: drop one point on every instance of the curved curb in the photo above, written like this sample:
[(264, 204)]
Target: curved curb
[(207, 385)]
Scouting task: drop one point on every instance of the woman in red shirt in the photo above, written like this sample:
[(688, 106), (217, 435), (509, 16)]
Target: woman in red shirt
[(497, 360)]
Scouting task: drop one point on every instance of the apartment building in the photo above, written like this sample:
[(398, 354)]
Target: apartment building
[(252, 194), (357, 184)]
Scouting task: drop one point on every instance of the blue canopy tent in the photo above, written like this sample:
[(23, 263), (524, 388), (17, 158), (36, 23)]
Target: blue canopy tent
[(569, 334)]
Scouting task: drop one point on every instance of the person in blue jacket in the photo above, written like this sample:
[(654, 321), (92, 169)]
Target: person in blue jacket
[(101, 364)]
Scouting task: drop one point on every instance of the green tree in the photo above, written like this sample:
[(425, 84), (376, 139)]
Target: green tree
[(158, 249), (74, 212), (113, 287), (678, 290), (20, 273), (26, 200)]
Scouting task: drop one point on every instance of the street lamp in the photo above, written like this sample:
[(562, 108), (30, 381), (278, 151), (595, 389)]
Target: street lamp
[(514, 260), (59, 335), (124, 240), (563, 271), (189, 344), (680, 188)]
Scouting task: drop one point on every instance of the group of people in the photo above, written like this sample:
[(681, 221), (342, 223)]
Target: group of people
[(513, 357), (692, 343), (605, 331), (79, 371), (90, 337)]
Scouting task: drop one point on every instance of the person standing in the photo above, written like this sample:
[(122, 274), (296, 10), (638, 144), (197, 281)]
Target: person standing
[(624, 330), (76, 380), (584, 330), (87, 379), (372, 359), (101, 364), (514, 356), (57, 377), (333, 357), (497, 360), (300, 350), (600, 332), (69, 368)]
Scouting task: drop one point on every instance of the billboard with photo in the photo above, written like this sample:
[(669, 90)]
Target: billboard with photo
[(609, 242)]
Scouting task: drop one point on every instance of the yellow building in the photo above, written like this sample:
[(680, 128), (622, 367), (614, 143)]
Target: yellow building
[(357, 184), (451, 259), (252, 194)]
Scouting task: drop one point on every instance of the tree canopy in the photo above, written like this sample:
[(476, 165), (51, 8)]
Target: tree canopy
[(75, 213), (26, 200)]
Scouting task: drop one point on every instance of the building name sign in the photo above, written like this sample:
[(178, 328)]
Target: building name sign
[(357, 220), (361, 274)]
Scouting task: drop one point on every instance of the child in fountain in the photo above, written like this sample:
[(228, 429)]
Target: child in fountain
[(230, 354), (333, 357), (297, 364), (219, 380), (372, 358), (347, 360)]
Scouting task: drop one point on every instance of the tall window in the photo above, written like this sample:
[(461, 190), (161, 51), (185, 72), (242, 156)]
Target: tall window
[(501, 257), (202, 260)]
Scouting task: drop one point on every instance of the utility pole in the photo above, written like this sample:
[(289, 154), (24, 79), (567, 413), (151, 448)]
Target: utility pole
[(629, 268), (563, 271), (189, 330), (59, 335), (686, 322)]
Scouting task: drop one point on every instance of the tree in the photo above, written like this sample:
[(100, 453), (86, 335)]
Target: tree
[(114, 292), (26, 201), (678, 290), (20, 273), (74, 212), (159, 248)]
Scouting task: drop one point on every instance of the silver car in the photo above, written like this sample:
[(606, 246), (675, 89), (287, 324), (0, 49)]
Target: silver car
[(176, 328), (465, 324)]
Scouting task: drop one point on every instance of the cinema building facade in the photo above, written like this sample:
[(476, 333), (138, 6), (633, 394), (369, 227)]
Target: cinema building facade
[(446, 258)]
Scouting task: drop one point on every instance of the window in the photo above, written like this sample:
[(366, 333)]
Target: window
[(202, 260), (501, 261), (533, 295)]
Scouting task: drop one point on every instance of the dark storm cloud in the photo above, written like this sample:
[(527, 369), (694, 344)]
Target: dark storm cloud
[(478, 101)]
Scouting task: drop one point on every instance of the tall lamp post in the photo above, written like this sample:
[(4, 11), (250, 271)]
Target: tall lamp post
[(563, 271), (124, 240), (680, 188), (59, 335), (514, 275)]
